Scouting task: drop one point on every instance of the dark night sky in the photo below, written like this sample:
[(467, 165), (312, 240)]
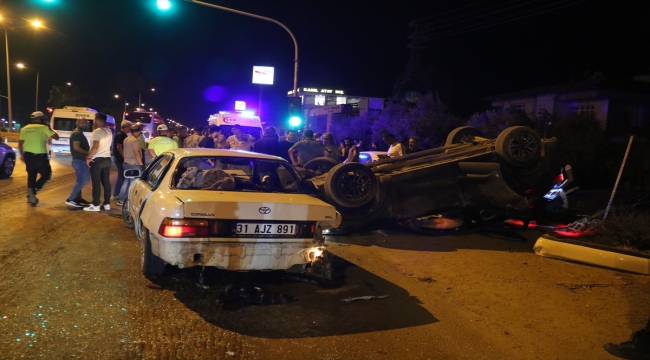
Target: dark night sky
[(121, 46)]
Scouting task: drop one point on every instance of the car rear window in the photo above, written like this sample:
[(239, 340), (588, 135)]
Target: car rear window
[(236, 174)]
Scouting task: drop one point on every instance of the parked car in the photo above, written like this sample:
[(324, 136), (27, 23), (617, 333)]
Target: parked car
[(370, 156), (7, 160), (471, 180), (233, 210)]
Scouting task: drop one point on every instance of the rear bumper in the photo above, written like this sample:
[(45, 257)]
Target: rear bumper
[(233, 255)]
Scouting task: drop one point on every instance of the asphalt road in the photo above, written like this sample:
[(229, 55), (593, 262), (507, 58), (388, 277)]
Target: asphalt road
[(72, 288)]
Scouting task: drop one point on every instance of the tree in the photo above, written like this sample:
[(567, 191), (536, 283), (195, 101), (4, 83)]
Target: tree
[(492, 122)]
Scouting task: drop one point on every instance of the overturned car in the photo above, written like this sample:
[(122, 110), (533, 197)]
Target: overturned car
[(467, 182)]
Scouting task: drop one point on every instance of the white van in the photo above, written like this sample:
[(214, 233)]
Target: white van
[(64, 121), (250, 124)]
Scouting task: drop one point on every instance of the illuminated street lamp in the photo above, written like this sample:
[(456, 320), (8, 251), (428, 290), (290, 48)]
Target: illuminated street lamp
[(36, 24), (165, 5), (140, 96), (22, 66)]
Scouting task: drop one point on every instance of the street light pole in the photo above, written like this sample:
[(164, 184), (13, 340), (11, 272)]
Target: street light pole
[(22, 66), (295, 43), (8, 80)]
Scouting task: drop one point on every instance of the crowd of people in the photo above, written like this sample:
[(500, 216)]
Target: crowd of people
[(92, 160)]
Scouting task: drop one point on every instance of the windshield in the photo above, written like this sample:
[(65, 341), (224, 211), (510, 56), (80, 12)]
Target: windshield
[(237, 174), (67, 124), (254, 131), (135, 117)]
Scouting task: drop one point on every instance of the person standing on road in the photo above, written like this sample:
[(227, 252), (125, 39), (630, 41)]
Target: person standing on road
[(208, 142), (268, 144), (414, 145), (307, 149), (333, 151), (32, 145), (99, 160), (118, 156), (79, 149), (181, 135), (396, 148), (351, 150), (161, 143), (193, 140), (132, 160), (286, 144), (240, 140)]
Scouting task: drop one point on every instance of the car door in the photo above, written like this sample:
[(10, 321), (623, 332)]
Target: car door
[(143, 187)]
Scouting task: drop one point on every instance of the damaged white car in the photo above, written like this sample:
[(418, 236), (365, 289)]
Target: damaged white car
[(233, 210)]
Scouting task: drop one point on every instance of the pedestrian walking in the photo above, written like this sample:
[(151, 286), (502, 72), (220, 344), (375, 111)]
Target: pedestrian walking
[(286, 144), (32, 144), (79, 149), (132, 160), (307, 149), (396, 148), (118, 155), (333, 150), (240, 140), (99, 160), (268, 144), (162, 142)]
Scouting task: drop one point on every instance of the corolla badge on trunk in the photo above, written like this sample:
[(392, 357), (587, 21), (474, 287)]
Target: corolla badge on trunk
[(265, 210)]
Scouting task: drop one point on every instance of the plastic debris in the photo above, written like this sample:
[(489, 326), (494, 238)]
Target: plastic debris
[(364, 298)]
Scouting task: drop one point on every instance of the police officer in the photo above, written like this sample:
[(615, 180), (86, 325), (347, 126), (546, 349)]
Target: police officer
[(32, 145)]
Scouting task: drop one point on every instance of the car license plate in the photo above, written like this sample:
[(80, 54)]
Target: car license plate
[(265, 230)]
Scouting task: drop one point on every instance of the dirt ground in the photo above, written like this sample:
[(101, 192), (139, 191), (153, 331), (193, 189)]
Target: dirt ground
[(72, 288)]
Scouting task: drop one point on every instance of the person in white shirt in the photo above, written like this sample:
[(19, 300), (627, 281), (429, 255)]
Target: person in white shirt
[(99, 160), (396, 148)]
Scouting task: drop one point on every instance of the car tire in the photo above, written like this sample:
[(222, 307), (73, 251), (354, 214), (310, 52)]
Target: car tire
[(321, 164), (152, 265), (519, 146), (365, 215), (463, 134), (129, 222), (350, 185), (7, 167)]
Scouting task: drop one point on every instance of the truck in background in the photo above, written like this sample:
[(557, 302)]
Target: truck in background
[(64, 121), (250, 124)]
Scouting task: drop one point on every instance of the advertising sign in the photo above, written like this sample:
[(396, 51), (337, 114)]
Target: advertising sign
[(263, 75)]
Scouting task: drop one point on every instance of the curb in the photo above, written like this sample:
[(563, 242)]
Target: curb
[(592, 254)]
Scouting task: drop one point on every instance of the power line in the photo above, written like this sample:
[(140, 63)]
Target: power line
[(450, 11), (505, 19), (484, 15)]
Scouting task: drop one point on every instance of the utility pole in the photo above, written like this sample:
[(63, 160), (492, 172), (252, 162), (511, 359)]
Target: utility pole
[(418, 39)]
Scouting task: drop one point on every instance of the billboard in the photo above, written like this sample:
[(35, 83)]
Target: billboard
[(263, 75)]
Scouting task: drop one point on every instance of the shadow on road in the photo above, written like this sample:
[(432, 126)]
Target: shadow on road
[(496, 237), (316, 312)]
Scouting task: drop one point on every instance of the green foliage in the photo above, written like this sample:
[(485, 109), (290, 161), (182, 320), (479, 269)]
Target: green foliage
[(428, 119)]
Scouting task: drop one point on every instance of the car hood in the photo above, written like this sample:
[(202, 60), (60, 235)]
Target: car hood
[(226, 205)]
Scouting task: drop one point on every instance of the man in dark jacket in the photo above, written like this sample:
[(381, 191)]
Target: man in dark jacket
[(286, 144), (268, 144)]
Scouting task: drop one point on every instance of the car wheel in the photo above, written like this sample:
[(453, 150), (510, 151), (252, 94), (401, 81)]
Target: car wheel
[(519, 146), (350, 185), (129, 222), (152, 265), (321, 164), (7, 167), (367, 214), (463, 134)]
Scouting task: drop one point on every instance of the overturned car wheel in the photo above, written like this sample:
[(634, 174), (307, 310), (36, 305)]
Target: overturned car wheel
[(321, 164), (519, 146), (463, 134), (350, 185)]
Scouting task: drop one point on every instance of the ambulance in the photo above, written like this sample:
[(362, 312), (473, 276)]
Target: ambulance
[(64, 121), (250, 123)]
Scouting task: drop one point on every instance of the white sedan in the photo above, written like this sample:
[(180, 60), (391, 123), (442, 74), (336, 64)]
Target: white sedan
[(233, 210)]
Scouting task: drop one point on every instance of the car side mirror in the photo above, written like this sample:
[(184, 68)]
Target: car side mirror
[(132, 174)]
